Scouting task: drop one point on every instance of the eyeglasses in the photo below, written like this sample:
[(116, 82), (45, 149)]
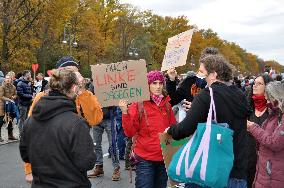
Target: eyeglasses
[(258, 84)]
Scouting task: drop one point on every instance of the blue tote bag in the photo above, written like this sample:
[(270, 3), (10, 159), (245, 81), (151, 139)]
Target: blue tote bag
[(207, 159)]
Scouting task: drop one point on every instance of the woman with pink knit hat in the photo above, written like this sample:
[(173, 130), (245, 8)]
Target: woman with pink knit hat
[(145, 121)]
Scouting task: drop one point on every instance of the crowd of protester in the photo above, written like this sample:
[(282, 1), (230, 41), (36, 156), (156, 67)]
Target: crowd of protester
[(54, 119)]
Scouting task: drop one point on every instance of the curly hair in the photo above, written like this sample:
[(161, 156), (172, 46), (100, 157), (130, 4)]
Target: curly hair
[(217, 63), (62, 80), (208, 51)]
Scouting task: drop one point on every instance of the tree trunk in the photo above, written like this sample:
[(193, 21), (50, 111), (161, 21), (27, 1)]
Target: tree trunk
[(5, 31)]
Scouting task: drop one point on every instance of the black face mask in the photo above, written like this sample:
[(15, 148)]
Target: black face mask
[(200, 82)]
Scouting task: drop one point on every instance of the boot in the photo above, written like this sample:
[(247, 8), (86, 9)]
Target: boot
[(10, 132), (98, 172), (116, 174), (11, 137)]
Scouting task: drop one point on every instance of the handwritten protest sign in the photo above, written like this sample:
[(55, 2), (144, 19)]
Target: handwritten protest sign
[(123, 80), (177, 50)]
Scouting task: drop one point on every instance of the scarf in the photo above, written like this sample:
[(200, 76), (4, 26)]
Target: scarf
[(260, 102), (157, 98)]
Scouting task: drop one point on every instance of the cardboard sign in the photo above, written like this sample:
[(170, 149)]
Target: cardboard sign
[(123, 80), (177, 50), (169, 148)]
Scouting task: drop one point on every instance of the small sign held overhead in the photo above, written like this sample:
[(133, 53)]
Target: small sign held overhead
[(177, 50)]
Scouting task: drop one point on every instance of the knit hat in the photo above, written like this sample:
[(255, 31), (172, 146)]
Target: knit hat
[(66, 61), (155, 75)]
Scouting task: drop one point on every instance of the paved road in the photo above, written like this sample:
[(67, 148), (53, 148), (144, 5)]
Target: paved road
[(12, 173)]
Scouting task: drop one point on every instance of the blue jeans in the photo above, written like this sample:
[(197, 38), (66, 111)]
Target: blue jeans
[(151, 174), (233, 183), (23, 116), (237, 183), (121, 139), (98, 131)]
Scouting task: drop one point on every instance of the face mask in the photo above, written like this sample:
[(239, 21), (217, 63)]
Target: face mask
[(200, 76), (76, 90), (200, 82)]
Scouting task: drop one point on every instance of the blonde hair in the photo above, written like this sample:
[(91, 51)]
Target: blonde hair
[(62, 80), (11, 74)]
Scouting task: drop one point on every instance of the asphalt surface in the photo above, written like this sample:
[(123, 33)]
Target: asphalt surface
[(12, 171)]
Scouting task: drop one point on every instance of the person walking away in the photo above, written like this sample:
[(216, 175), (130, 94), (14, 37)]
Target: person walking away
[(270, 138), (145, 121), (55, 140), (25, 96), (231, 107), (86, 104)]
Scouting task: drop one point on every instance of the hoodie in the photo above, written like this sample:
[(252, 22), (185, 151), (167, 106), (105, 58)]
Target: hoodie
[(57, 143), (231, 107), (187, 89)]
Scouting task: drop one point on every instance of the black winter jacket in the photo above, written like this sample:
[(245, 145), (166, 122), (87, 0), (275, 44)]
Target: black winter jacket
[(57, 143), (24, 92), (231, 107)]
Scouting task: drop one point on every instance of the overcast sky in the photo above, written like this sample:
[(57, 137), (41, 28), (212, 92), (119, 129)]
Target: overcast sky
[(256, 25)]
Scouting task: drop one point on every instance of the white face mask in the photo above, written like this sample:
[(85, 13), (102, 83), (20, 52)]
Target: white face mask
[(200, 76)]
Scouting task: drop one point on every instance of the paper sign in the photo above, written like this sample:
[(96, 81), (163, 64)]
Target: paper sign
[(169, 148), (177, 50), (123, 80)]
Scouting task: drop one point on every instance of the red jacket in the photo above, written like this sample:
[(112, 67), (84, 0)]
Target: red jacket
[(270, 164), (147, 144)]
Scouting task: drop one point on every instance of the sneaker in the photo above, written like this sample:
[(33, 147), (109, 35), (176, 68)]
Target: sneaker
[(116, 175), (98, 172)]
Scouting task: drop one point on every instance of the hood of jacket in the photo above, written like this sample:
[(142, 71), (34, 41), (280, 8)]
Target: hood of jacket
[(232, 96), (50, 106)]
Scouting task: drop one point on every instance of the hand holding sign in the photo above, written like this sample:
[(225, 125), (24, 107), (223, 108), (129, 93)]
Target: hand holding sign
[(172, 73), (123, 105)]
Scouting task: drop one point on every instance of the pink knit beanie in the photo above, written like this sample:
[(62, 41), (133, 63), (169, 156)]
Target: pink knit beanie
[(155, 75)]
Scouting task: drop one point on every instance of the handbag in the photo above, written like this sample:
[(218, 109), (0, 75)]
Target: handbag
[(207, 158)]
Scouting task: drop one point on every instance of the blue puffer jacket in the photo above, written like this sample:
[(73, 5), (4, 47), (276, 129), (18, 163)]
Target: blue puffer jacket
[(24, 92)]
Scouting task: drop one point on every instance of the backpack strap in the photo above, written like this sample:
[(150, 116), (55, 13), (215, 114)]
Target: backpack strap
[(140, 108), (168, 111)]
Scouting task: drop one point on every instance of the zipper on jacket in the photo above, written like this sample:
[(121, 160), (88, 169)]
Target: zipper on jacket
[(269, 170)]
